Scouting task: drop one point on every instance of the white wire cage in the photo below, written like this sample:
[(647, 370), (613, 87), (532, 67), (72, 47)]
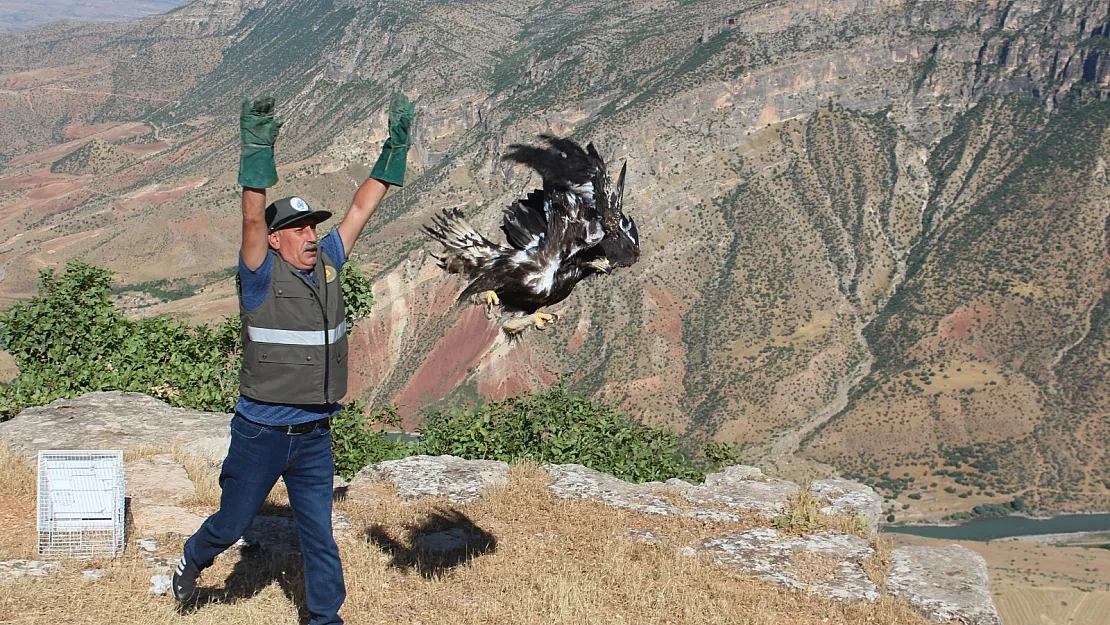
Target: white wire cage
[(81, 503)]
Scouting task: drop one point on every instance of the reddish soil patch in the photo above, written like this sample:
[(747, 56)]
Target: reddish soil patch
[(49, 155), (123, 131), (156, 196), (51, 246), (113, 132), (447, 364), (581, 331), (144, 149), (161, 197), (667, 320), (513, 373), (56, 190), (962, 321), (28, 180), (80, 131)]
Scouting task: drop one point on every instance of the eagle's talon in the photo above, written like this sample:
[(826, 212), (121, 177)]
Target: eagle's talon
[(491, 301), (543, 319)]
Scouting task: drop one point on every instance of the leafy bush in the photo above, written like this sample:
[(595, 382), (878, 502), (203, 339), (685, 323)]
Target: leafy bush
[(358, 296), (719, 455), (559, 426), (70, 339), (355, 444)]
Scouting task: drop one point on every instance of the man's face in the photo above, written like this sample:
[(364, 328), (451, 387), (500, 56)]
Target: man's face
[(296, 244)]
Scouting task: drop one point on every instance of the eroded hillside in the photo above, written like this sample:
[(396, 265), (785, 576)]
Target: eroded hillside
[(873, 230)]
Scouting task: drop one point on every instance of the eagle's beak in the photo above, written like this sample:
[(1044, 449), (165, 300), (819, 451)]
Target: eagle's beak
[(601, 264)]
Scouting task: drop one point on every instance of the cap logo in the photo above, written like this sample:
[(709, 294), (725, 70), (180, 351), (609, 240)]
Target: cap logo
[(299, 205)]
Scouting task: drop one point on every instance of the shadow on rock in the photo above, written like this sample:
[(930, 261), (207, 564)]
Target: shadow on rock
[(441, 542)]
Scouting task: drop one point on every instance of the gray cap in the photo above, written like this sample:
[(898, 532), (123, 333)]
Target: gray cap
[(288, 210)]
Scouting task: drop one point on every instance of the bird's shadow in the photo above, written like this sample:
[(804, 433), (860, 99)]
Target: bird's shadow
[(442, 541)]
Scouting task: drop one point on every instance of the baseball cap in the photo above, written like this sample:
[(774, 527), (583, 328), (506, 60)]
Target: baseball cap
[(287, 210)]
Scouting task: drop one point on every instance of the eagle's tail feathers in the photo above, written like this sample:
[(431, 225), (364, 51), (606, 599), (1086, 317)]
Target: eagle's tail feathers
[(465, 250)]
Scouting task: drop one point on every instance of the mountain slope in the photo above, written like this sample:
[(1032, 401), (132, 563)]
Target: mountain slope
[(835, 200)]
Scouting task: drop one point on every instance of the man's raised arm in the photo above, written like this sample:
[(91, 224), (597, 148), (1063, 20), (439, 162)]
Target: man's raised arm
[(255, 244), (389, 170), (258, 130)]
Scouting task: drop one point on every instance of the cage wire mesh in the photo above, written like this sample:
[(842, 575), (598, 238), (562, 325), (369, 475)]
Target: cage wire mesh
[(81, 503)]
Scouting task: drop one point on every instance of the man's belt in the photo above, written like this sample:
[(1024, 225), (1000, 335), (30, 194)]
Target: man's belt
[(300, 428)]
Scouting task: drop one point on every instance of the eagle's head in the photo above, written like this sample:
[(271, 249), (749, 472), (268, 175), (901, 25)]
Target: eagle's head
[(622, 247), (621, 242)]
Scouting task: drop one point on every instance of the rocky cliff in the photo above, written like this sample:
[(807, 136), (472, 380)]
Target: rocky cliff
[(874, 232), (744, 517)]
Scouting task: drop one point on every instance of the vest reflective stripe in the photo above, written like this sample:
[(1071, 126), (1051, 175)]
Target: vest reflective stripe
[(296, 337), (295, 343)]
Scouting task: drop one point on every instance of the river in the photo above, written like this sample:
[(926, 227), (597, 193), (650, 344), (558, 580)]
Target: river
[(1002, 527)]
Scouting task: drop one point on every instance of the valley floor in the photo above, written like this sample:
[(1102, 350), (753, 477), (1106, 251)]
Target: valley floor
[(1035, 584)]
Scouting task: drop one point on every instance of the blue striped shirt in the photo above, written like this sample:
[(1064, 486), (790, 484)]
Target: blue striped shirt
[(255, 288)]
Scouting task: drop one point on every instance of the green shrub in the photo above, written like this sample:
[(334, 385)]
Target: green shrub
[(559, 426), (70, 339), (356, 444), (720, 455)]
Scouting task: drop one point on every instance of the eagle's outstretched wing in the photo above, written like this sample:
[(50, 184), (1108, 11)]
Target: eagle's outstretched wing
[(621, 243), (567, 201)]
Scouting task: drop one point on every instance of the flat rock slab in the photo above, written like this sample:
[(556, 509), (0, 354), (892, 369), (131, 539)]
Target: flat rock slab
[(849, 498), (420, 476), (20, 569), (574, 481), (744, 488), (160, 490), (944, 584), (827, 563), (117, 420), (740, 488)]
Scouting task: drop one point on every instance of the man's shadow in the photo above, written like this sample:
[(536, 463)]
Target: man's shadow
[(255, 570), (270, 554), (441, 542)]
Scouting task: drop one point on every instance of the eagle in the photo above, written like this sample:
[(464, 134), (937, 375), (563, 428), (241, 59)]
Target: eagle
[(555, 237)]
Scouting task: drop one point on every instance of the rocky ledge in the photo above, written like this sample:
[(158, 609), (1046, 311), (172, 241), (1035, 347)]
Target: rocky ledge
[(944, 584)]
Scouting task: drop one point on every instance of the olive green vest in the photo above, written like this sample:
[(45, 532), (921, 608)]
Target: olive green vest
[(295, 343)]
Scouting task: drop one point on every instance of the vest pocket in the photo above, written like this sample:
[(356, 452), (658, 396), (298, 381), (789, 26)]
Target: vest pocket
[(284, 357)]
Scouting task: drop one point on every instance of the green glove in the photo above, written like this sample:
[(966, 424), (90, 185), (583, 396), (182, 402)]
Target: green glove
[(390, 167), (258, 129)]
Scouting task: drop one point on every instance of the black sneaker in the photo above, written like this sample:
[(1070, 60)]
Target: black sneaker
[(184, 580)]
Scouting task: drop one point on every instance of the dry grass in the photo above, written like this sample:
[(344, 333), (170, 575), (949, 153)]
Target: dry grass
[(17, 505), (17, 475), (537, 560), (878, 565), (206, 479), (803, 516), (814, 568)]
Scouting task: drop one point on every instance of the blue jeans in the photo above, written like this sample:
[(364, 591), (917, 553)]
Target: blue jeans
[(257, 458)]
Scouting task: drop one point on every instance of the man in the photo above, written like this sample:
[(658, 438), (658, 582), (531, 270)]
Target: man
[(294, 368)]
